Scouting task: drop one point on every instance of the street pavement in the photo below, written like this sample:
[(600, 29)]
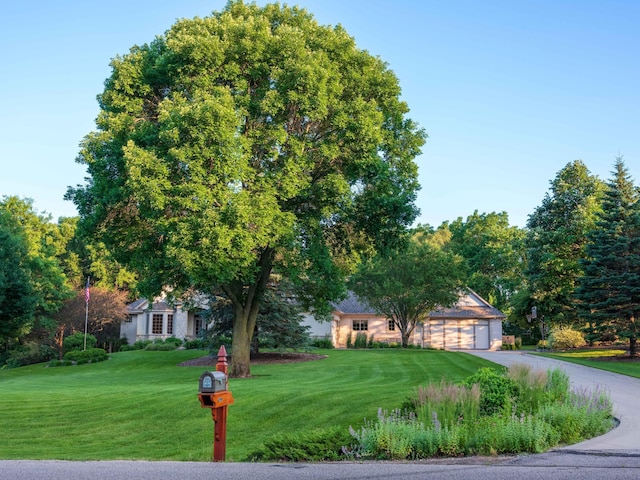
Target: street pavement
[(614, 456)]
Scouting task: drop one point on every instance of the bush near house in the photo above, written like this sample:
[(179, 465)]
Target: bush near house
[(564, 338), (76, 341), (90, 355)]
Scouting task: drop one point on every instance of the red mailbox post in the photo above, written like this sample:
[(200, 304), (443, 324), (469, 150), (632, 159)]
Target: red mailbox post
[(214, 394)]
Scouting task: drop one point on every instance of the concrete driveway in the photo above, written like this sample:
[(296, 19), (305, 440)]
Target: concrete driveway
[(624, 391)]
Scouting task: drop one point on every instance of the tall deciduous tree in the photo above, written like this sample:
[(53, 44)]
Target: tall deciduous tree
[(609, 291), (17, 301), (107, 310), (556, 241), (406, 285), (494, 255), (45, 245), (250, 141)]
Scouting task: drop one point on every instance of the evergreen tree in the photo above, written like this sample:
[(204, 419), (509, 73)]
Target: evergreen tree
[(609, 291), (556, 241)]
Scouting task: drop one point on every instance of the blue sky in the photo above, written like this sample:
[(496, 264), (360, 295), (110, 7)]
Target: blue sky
[(509, 92)]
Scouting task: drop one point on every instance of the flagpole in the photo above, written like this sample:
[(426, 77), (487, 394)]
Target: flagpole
[(86, 311)]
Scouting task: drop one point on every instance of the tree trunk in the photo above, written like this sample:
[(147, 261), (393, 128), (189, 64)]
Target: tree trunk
[(405, 339), (246, 303), (241, 346), (633, 349)]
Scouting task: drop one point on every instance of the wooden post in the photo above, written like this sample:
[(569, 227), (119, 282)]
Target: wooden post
[(219, 415)]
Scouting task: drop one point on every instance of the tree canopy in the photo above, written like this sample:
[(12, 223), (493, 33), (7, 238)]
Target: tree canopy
[(609, 291), (17, 301), (493, 252), (556, 241), (406, 285), (250, 141), (39, 247)]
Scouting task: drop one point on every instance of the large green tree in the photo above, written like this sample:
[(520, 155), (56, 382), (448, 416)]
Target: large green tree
[(45, 246), (556, 241), (609, 291), (494, 255), (17, 301), (406, 285), (247, 142)]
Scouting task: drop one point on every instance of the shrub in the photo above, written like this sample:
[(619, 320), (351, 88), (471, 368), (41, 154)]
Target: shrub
[(497, 391), (214, 343), (28, 354), (90, 355), (510, 434), (324, 342), (532, 387), (141, 344), (316, 446), (584, 415), (562, 338), (349, 341), (59, 363), (174, 341), (196, 344), (361, 340), (448, 403), (160, 347), (75, 341)]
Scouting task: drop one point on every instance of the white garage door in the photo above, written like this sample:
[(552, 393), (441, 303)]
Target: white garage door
[(436, 332), (482, 337), (460, 335)]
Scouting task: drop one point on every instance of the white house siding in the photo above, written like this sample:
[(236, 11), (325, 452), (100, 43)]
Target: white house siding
[(128, 329), (141, 325), (180, 324), (316, 329)]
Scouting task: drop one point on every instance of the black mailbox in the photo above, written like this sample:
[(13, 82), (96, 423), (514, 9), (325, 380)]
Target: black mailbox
[(212, 382)]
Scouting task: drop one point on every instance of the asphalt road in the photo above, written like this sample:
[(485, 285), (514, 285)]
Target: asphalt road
[(613, 456)]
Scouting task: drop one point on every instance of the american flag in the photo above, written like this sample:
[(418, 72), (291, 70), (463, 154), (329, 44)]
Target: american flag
[(87, 292)]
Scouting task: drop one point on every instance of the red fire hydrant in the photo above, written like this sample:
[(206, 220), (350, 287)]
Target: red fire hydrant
[(214, 394)]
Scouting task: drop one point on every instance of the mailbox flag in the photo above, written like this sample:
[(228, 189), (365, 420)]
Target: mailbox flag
[(87, 292)]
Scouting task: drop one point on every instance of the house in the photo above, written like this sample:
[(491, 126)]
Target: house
[(471, 324), (160, 320)]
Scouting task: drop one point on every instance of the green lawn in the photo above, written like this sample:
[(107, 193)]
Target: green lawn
[(599, 359), (141, 405)]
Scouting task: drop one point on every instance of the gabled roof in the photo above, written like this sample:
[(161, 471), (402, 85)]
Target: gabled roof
[(142, 304), (352, 304), (469, 305)]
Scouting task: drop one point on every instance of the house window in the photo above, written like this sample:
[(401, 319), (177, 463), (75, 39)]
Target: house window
[(128, 319), (170, 324), (360, 325), (156, 324), (391, 325), (198, 324)]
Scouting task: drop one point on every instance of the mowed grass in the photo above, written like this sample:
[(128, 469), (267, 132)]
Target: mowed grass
[(602, 359), (142, 406)]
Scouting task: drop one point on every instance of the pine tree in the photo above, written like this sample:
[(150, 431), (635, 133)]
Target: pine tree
[(609, 292)]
